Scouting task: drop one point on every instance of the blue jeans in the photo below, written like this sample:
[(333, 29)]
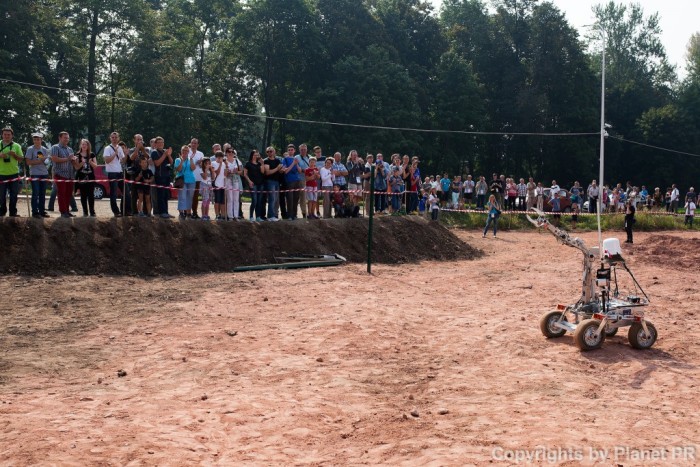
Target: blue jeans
[(39, 194), (184, 198), (13, 189), (491, 220), (114, 179), (163, 193), (257, 208), (379, 201), (396, 199), (272, 188)]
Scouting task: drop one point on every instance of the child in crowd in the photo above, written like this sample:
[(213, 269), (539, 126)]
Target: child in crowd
[(422, 203), (338, 202), (689, 212), (395, 182), (574, 214), (205, 188), (556, 207), (434, 203), (145, 178), (312, 175)]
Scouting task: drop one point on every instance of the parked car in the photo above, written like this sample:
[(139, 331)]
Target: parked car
[(102, 188), (564, 197)]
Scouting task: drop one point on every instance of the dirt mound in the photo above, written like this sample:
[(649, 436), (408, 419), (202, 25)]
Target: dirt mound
[(670, 251), (156, 247)]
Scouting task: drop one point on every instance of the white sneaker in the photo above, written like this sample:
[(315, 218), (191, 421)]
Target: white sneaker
[(273, 219)]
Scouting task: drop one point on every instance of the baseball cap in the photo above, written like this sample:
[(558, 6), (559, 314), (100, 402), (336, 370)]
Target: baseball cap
[(37, 135)]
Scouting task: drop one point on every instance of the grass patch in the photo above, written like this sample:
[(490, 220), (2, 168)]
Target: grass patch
[(646, 222)]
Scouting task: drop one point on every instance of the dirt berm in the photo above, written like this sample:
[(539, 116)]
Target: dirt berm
[(160, 247)]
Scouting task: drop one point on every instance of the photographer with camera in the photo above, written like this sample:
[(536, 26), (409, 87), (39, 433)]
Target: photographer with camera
[(11, 154)]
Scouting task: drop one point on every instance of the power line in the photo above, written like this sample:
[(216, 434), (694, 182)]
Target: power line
[(300, 120), (655, 147)]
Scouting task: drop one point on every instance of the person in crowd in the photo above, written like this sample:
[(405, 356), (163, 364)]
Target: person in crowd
[(233, 169), (218, 168), (414, 187), (456, 191), (512, 191), (521, 188), (443, 190), (494, 212), (554, 189), (63, 159), (303, 162), (434, 203), (395, 188), (125, 203), (531, 196), (555, 203), (339, 172), (468, 188), (657, 199), (644, 198), (133, 168), (576, 193), (629, 221), (320, 163), (497, 189), (355, 169), (36, 157), (327, 177), (690, 207), (575, 210), (162, 161), (205, 187), (253, 175), (295, 182), (85, 166), (272, 167), (10, 156), (312, 176), (185, 167), (593, 192), (423, 201), (675, 195), (114, 156), (144, 178), (381, 185), (196, 156), (338, 202), (481, 190), (539, 196), (667, 199), (615, 203), (691, 195)]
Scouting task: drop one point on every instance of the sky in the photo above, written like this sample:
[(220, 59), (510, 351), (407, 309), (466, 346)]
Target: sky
[(678, 20)]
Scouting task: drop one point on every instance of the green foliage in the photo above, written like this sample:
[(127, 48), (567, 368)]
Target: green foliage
[(497, 66)]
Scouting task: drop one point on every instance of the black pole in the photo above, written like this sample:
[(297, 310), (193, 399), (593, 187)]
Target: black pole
[(371, 219)]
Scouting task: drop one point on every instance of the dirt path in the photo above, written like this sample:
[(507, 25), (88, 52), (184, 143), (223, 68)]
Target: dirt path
[(326, 366)]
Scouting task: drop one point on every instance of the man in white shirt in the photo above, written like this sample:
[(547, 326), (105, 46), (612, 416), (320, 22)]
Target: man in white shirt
[(674, 198), (196, 156), (114, 156), (554, 189)]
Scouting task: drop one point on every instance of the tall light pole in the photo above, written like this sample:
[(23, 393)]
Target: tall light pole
[(602, 144)]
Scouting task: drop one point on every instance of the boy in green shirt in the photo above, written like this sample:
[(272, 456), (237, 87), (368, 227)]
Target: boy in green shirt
[(10, 156)]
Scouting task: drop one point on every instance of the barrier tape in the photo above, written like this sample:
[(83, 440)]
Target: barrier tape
[(134, 182), (483, 211)]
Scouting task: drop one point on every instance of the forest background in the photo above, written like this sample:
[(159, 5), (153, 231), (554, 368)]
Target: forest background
[(472, 76)]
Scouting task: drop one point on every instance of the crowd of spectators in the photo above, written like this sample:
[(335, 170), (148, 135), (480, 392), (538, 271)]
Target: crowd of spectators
[(282, 186)]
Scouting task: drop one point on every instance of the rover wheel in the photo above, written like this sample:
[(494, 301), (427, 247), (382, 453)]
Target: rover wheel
[(640, 339), (585, 335), (548, 327)]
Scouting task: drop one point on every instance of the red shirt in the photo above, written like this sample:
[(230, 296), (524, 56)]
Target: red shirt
[(309, 172)]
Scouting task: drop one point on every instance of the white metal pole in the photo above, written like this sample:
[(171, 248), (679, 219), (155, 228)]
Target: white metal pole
[(602, 147)]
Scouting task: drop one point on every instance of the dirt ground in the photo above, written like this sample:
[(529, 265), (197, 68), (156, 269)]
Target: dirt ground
[(434, 363)]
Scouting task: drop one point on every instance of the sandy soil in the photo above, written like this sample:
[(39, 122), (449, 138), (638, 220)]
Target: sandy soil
[(327, 366)]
